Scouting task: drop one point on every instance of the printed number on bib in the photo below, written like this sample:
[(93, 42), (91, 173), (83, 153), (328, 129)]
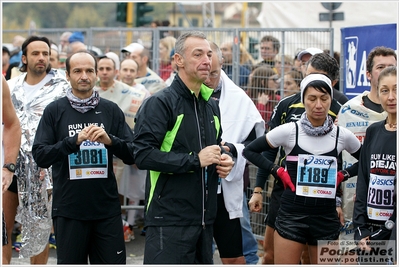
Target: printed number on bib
[(91, 161), (380, 202), (316, 176)]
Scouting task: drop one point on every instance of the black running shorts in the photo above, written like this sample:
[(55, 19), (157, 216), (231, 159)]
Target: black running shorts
[(190, 244), (97, 241), (309, 229), (227, 233), (274, 205)]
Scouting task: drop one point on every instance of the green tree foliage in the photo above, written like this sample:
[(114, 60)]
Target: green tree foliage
[(18, 15), (45, 15), (58, 15), (162, 10), (83, 17)]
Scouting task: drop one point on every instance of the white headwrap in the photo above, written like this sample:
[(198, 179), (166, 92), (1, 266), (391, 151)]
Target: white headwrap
[(316, 77)]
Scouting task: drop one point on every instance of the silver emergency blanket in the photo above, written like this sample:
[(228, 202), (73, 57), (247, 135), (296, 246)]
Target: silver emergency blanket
[(34, 183)]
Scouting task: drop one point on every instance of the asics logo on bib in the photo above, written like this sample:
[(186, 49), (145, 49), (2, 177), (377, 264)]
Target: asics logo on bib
[(379, 181), (88, 143), (318, 161)]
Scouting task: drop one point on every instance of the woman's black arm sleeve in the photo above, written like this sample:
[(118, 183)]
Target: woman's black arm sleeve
[(353, 169), (356, 155), (252, 152), (262, 175)]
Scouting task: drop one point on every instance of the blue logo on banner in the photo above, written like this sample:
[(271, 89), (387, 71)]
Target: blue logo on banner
[(351, 61), (357, 44)]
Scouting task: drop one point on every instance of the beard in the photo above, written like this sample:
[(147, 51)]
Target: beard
[(37, 70), (84, 89)]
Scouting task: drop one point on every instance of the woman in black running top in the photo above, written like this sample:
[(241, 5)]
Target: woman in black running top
[(307, 212)]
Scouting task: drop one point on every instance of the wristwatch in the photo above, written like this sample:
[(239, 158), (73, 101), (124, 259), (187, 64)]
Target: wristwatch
[(9, 166), (389, 224)]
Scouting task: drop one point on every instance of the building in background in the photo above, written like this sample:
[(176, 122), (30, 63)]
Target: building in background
[(226, 15), (306, 15)]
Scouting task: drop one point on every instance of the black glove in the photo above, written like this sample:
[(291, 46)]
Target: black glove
[(223, 151)]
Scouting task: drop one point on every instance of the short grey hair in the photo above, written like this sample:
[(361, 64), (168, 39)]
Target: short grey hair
[(180, 42), (215, 49)]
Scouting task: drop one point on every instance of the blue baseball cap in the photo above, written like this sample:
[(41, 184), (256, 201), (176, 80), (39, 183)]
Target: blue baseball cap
[(76, 37)]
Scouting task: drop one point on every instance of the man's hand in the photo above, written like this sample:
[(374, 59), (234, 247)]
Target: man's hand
[(225, 166), (82, 136), (226, 148), (7, 179), (94, 134), (210, 155), (340, 214), (255, 203)]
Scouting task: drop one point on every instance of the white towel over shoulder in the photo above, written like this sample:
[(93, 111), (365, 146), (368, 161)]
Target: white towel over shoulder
[(239, 116)]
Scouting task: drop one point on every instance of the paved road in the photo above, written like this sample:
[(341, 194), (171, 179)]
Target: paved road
[(134, 255)]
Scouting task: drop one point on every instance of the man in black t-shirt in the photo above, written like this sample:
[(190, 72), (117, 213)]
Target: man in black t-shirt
[(78, 135)]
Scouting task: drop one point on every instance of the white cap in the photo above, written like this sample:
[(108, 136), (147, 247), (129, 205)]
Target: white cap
[(54, 47), (115, 58), (316, 77), (310, 50), (132, 47)]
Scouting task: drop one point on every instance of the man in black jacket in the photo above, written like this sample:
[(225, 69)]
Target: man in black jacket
[(177, 137)]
